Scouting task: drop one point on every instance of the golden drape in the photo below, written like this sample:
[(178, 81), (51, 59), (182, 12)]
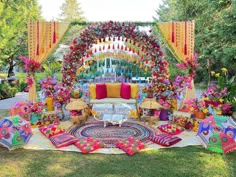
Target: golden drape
[(179, 36), (43, 37)]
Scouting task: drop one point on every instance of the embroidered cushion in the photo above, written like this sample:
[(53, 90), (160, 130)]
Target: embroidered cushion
[(101, 91), (165, 139), (130, 145), (171, 129), (50, 130), (125, 91), (113, 90), (63, 140), (89, 145)]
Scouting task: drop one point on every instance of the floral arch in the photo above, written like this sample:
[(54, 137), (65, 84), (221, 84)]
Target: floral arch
[(145, 46)]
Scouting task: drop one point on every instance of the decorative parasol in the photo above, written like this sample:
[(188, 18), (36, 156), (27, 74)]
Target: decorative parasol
[(21, 108), (150, 104), (76, 105), (218, 133), (15, 132)]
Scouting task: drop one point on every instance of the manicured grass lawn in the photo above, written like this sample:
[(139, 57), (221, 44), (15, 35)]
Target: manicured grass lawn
[(188, 161)]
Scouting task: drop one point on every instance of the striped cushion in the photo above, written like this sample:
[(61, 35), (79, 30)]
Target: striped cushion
[(63, 140), (165, 139)]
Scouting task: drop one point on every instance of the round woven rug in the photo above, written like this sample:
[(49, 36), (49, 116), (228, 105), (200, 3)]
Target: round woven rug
[(113, 133)]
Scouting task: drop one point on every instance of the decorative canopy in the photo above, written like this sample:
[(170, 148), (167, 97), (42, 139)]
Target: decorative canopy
[(150, 104)]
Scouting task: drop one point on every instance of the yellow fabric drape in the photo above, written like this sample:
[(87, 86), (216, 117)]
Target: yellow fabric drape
[(43, 37), (178, 35)]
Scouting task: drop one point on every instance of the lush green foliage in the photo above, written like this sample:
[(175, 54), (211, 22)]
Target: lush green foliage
[(6, 91), (13, 30), (215, 33)]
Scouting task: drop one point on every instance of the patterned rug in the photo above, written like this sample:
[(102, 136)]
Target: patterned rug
[(113, 133)]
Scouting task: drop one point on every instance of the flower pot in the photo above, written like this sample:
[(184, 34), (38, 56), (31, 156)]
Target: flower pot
[(200, 115), (164, 115)]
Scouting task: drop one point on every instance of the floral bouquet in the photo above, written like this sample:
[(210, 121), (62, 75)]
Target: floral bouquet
[(37, 107), (31, 66), (61, 96)]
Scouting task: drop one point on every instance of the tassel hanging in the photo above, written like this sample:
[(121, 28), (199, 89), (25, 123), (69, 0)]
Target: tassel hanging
[(54, 33), (37, 51), (173, 33), (185, 42)]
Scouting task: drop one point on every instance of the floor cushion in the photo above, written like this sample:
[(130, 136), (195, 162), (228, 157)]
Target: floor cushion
[(51, 130), (63, 140), (171, 129), (89, 145), (165, 139), (130, 145), (113, 90)]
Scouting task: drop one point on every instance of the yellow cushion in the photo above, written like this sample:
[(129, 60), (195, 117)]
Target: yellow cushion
[(113, 90), (134, 90), (92, 91)]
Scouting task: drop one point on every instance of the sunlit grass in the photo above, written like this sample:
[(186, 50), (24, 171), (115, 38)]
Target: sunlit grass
[(187, 161)]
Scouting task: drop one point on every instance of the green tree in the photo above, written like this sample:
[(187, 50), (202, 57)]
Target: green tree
[(215, 31), (14, 17), (71, 10)]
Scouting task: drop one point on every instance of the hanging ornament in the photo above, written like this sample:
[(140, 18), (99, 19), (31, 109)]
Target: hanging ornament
[(95, 50), (100, 40), (146, 61), (109, 39), (82, 60), (122, 47), (104, 40), (109, 47), (87, 55), (146, 69), (118, 38), (114, 38), (100, 49), (118, 46), (91, 53), (113, 47), (103, 48), (141, 65), (125, 48)]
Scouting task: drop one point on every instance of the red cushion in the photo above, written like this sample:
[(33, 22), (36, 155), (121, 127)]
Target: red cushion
[(101, 91), (89, 145), (130, 145), (125, 91)]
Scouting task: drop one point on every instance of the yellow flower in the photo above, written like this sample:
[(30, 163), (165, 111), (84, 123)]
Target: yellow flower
[(205, 98), (212, 73), (191, 109), (221, 100), (217, 75), (205, 111), (224, 70)]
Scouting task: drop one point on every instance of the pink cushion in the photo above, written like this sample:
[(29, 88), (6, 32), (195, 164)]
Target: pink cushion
[(125, 91), (101, 91)]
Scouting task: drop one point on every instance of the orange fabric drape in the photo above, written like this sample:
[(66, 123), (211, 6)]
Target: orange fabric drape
[(180, 38), (43, 37)]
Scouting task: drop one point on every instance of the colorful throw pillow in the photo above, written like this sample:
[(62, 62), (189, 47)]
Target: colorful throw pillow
[(51, 130), (101, 91), (63, 140), (89, 145), (134, 90), (165, 139), (130, 145), (113, 90), (171, 129), (92, 91), (125, 91)]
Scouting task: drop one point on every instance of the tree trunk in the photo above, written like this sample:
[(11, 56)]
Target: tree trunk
[(11, 68)]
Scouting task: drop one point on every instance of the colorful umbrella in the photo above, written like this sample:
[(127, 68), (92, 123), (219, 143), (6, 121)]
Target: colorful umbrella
[(15, 132), (218, 133), (21, 108)]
